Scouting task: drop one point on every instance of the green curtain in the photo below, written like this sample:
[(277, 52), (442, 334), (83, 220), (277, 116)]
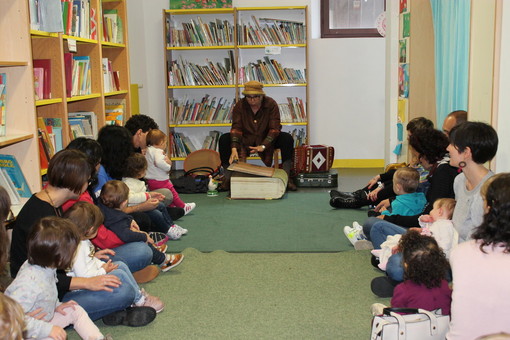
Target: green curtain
[(451, 30)]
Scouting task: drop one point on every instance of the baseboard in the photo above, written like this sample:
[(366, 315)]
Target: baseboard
[(358, 163)]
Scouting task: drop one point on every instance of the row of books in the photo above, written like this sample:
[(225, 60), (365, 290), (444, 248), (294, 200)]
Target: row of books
[(42, 78), (182, 145), (293, 111), (271, 32), (3, 102), (78, 75), (206, 111), (79, 19), (49, 131), (196, 33), (83, 124), (299, 136), (270, 71), (12, 179), (115, 110), (111, 78), (113, 28), (185, 73)]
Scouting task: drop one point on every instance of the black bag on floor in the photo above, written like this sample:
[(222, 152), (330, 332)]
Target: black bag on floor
[(189, 184)]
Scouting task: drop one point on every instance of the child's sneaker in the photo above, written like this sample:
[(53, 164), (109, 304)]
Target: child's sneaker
[(354, 234), (150, 301), (188, 207), (162, 248), (174, 233), (158, 237), (183, 231), (171, 261)]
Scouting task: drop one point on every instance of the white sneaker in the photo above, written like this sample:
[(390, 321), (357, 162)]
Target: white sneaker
[(357, 226), (354, 234), (188, 207), (183, 231), (174, 233)]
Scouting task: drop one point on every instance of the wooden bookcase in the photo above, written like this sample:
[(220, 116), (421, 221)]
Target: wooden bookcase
[(290, 53), (16, 62), (53, 46)]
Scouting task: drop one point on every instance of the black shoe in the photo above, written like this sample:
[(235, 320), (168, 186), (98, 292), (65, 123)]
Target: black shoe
[(175, 213), (383, 286), (132, 316), (334, 193), (345, 203)]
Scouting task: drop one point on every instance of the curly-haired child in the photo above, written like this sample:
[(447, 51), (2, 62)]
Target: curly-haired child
[(425, 270), (159, 165)]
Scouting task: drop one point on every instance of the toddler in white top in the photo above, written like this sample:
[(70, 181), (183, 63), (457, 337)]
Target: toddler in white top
[(437, 224), (159, 166)]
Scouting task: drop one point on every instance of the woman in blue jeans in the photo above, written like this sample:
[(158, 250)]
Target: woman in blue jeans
[(68, 175)]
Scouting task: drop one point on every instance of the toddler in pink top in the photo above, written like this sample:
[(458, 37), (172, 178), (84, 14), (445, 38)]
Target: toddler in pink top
[(159, 166)]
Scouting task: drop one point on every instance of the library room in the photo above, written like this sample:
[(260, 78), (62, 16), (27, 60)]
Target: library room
[(254, 169)]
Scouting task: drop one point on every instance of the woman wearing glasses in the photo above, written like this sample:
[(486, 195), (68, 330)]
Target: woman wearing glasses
[(256, 128)]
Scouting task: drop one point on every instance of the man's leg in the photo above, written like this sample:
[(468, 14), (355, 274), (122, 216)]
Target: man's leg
[(225, 151), (285, 143)]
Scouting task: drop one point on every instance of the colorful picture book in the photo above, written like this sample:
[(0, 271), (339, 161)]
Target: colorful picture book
[(11, 168)]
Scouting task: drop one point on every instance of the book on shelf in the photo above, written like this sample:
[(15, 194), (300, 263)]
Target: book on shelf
[(3, 103), (46, 138), (81, 76), (68, 68), (50, 15), (33, 6), (111, 78), (115, 110), (11, 168), (8, 185), (38, 82), (45, 65), (113, 30), (218, 33), (79, 19), (55, 126), (293, 111), (182, 72), (270, 71), (83, 124)]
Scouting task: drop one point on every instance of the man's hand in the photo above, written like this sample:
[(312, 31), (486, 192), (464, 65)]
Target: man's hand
[(102, 282), (372, 195), (233, 156), (256, 149)]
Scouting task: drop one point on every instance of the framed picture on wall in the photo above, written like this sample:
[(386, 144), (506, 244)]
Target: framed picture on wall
[(195, 4)]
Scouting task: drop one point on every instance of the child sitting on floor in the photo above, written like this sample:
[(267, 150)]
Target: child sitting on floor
[(112, 200), (159, 166), (407, 203), (437, 224), (425, 268), (51, 245), (88, 218), (136, 169)]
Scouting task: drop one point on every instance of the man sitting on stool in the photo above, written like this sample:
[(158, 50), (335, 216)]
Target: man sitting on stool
[(256, 128)]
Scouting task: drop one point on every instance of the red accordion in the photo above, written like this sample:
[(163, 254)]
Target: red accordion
[(313, 158)]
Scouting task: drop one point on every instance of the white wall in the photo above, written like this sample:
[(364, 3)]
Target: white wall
[(502, 116), (347, 79)]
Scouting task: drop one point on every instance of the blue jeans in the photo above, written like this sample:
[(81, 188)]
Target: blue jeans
[(101, 303), (136, 255), (395, 267), (367, 226), (382, 229), (161, 220)]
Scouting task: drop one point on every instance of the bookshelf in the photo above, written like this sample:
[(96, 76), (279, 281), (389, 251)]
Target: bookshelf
[(267, 44), (89, 68), (16, 64)]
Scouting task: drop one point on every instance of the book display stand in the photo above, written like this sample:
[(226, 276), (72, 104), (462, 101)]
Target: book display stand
[(211, 53)]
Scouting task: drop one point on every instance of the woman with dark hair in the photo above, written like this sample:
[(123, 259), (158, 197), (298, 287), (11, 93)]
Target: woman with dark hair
[(481, 268), (137, 255), (68, 175), (380, 187)]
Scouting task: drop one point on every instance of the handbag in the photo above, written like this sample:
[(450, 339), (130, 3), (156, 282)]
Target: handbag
[(416, 324)]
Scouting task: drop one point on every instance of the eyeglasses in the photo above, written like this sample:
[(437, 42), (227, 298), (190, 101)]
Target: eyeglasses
[(251, 97)]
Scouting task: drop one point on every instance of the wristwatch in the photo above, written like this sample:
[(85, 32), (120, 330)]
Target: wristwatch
[(263, 147)]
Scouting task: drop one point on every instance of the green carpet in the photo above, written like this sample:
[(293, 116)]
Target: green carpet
[(300, 222), (222, 295)]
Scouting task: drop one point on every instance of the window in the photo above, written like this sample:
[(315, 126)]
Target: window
[(351, 18)]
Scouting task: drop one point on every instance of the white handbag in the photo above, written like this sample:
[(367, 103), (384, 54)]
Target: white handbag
[(416, 324)]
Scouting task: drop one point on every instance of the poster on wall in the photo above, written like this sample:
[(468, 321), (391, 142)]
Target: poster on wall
[(403, 81), (406, 24), (196, 4)]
